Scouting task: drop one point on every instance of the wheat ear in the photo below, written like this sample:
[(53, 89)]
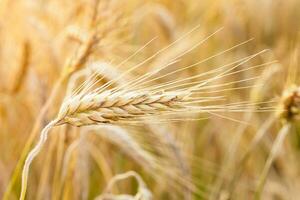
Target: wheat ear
[(117, 107)]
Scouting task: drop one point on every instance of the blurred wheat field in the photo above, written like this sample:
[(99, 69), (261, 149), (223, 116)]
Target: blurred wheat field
[(149, 99)]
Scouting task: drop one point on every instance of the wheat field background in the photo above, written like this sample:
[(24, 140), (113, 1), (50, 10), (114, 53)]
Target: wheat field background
[(149, 99)]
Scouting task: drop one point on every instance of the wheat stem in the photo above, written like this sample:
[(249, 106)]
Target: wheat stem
[(274, 151), (32, 154)]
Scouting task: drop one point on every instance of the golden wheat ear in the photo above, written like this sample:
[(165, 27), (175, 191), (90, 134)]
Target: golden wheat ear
[(121, 105)]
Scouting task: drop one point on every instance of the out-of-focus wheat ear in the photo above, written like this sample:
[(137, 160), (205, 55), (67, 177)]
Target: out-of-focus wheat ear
[(143, 193), (155, 165), (174, 155), (123, 139), (126, 142), (81, 165), (118, 136), (164, 18), (289, 105), (101, 161), (23, 68)]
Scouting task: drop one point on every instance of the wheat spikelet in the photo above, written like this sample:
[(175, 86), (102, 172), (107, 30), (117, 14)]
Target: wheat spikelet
[(109, 107), (289, 107), (23, 68)]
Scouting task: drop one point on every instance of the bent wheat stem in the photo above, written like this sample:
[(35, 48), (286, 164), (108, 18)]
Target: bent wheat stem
[(32, 154)]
